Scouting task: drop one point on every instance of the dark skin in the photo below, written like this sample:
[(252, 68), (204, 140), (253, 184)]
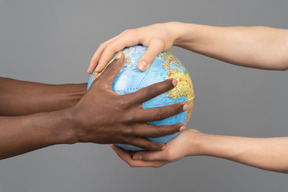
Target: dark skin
[(35, 116), (24, 98)]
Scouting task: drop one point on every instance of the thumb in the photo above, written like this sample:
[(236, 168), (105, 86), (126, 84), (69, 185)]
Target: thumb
[(112, 70), (149, 56)]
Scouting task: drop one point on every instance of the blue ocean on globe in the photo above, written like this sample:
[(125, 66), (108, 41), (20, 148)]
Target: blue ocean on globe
[(165, 66)]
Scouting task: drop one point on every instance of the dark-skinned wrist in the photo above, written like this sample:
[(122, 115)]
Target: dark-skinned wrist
[(76, 121), (69, 132)]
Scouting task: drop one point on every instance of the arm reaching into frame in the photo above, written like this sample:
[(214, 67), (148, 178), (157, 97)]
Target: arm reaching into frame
[(256, 47), (23, 98), (264, 153), (101, 116)]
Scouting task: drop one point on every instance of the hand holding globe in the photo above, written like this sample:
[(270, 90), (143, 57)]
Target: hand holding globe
[(165, 66)]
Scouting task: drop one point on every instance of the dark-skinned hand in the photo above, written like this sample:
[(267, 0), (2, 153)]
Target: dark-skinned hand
[(102, 116)]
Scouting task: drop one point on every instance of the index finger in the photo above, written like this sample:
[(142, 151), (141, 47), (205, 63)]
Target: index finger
[(96, 57), (112, 47)]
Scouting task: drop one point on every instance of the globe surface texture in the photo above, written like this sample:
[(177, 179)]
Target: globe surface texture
[(165, 66)]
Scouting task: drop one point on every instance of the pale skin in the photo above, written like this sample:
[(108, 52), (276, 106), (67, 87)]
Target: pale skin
[(256, 47), (34, 115)]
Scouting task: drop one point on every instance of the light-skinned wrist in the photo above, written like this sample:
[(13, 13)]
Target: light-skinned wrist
[(186, 33), (218, 146)]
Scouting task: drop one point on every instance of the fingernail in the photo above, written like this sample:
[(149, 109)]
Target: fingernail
[(185, 107), (163, 147), (143, 66), (118, 55), (182, 128), (137, 157), (174, 82)]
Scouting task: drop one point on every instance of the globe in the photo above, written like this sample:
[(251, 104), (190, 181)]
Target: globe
[(165, 66)]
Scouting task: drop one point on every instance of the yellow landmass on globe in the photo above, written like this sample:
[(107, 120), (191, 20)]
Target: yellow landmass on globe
[(169, 57), (128, 60), (183, 88)]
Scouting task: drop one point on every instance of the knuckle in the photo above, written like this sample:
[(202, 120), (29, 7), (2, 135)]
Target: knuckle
[(150, 146), (129, 32), (175, 128), (178, 108), (166, 85), (131, 165), (156, 146), (155, 135), (159, 42), (150, 55), (160, 113), (110, 47), (170, 129), (169, 155), (152, 91), (130, 117), (156, 132), (123, 103), (127, 131), (102, 45)]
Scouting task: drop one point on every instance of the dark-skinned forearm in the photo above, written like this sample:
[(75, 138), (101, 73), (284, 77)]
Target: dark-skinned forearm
[(27, 133), (22, 97), (101, 116)]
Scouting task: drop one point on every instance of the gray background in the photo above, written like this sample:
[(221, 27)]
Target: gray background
[(53, 41)]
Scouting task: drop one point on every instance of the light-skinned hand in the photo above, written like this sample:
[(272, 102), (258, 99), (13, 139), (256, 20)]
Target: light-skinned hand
[(157, 37), (183, 145)]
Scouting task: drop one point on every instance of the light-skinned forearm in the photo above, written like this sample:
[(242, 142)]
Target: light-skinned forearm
[(264, 153), (256, 47), (22, 97)]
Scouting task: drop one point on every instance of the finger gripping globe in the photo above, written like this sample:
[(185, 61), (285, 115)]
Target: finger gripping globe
[(165, 66)]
